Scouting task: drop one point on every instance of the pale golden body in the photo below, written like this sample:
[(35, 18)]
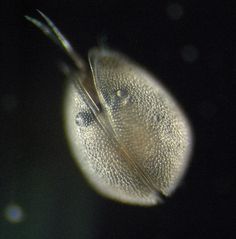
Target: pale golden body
[(127, 134), (138, 146)]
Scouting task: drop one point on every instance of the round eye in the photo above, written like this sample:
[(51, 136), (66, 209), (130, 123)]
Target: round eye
[(84, 118), (122, 94), (119, 98)]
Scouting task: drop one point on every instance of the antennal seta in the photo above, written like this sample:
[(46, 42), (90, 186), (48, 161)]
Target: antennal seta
[(51, 31)]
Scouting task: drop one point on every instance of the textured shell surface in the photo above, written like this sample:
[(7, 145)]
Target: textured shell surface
[(127, 134), (136, 149)]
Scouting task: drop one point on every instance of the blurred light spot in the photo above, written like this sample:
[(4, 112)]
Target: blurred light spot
[(175, 11), (189, 53), (9, 102), (14, 213)]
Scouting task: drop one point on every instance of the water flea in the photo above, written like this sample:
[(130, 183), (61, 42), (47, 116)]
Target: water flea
[(127, 154)]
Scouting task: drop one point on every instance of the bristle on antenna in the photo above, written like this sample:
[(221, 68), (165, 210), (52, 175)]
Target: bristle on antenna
[(50, 30)]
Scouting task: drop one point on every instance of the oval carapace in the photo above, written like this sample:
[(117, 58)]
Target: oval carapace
[(126, 132)]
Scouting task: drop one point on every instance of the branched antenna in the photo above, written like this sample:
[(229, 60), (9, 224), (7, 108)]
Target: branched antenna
[(51, 31)]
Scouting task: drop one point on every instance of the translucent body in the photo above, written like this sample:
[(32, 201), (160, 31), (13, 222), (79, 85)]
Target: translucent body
[(137, 147), (127, 134)]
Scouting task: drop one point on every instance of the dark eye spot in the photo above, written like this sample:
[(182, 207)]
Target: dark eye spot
[(119, 98), (122, 94), (84, 118)]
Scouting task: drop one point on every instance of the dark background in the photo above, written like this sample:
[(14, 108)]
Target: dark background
[(189, 44)]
